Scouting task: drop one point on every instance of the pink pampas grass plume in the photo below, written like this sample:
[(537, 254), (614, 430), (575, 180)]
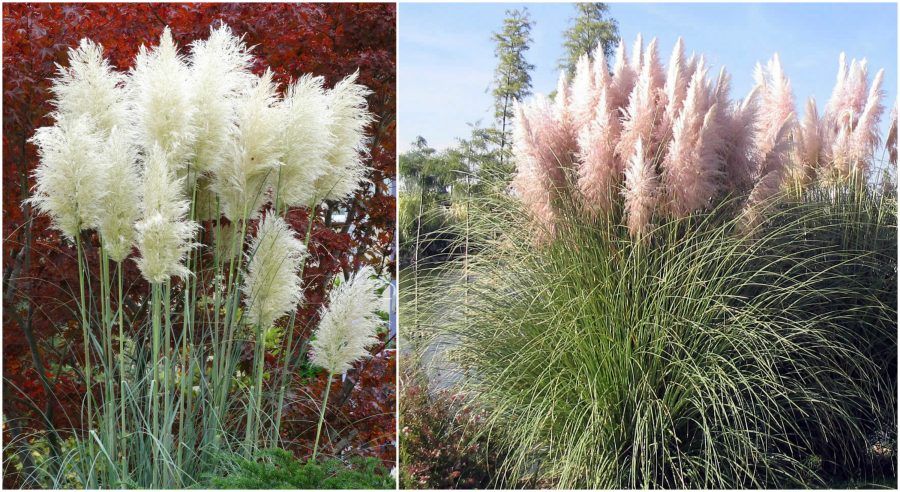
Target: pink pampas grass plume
[(848, 98), (599, 169), (865, 138), (692, 169), (640, 193), (623, 78), (853, 137), (776, 99), (643, 113), (773, 173), (583, 92), (738, 133), (675, 88), (808, 145), (544, 148), (544, 137), (776, 122)]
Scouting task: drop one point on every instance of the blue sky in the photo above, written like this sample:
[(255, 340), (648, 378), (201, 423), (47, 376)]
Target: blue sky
[(446, 56)]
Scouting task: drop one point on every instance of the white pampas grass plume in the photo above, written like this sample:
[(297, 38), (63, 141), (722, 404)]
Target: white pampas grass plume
[(348, 324), (640, 192), (272, 286), (306, 140), (160, 92), (164, 236), (70, 178), (220, 75), (253, 154), (349, 118), (637, 53), (600, 66), (120, 208), (89, 86)]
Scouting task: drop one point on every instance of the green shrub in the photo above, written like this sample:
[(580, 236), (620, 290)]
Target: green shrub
[(705, 357), (278, 469)]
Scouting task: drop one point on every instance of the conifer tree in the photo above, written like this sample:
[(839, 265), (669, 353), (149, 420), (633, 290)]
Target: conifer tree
[(512, 77), (591, 27)]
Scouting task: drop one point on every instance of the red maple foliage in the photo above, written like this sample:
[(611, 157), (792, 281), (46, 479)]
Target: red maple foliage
[(41, 336)]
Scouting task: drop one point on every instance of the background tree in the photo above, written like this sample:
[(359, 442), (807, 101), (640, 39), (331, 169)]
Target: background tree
[(429, 179), (512, 77), (590, 28)]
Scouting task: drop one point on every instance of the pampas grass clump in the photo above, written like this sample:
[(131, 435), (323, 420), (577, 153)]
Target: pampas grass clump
[(184, 147), (681, 290)]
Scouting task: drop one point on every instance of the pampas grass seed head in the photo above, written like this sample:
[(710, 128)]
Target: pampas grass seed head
[(161, 100), (164, 235), (120, 208), (349, 323), (70, 178), (272, 286), (349, 118), (89, 86)]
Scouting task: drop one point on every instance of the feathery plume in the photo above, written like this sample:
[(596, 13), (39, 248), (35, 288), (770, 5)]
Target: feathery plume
[(584, 92), (600, 66), (849, 95), (675, 88), (808, 146), (70, 178), (640, 192), (349, 117), (537, 140), (865, 138), (776, 98), (850, 120), (220, 75), (598, 166), (89, 86), (253, 154), (775, 124), (738, 133), (272, 286), (773, 174), (160, 94), (349, 323), (120, 210), (305, 140), (164, 236), (622, 80), (642, 116), (637, 53), (693, 168)]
